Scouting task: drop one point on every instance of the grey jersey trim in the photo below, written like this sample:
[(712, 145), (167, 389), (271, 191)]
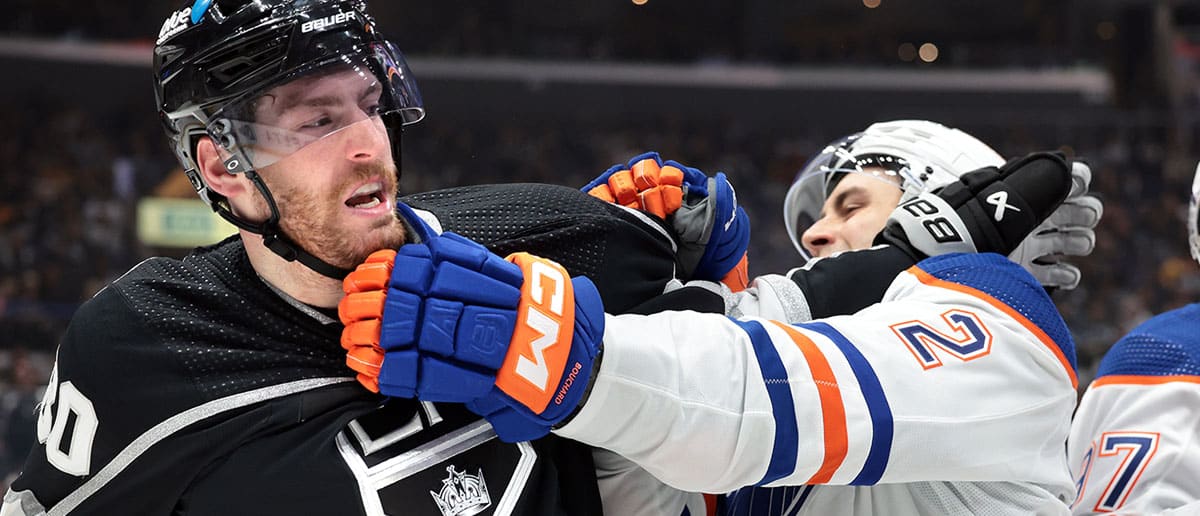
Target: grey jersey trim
[(516, 485), (299, 305), (791, 298), (21, 503), (729, 297), (176, 423), (414, 461)]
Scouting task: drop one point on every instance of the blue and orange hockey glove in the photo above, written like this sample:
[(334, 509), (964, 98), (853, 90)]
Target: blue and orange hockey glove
[(448, 321), (713, 230)]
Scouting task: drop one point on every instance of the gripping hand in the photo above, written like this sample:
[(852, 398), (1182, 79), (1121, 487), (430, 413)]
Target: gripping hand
[(714, 231), (449, 321), (987, 210), (1069, 231), (645, 184)]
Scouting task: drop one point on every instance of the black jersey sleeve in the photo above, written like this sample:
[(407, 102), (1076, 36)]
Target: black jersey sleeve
[(628, 255), (94, 410), (848, 282)]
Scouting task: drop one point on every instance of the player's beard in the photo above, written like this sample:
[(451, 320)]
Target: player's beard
[(316, 221)]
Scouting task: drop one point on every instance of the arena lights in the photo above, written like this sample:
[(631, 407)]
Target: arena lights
[(908, 52), (928, 52), (640, 2), (871, 4)]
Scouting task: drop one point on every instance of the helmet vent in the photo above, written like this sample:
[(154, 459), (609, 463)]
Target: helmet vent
[(246, 61)]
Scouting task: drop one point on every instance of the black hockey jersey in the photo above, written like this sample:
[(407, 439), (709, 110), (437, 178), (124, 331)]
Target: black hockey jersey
[(192, 387)]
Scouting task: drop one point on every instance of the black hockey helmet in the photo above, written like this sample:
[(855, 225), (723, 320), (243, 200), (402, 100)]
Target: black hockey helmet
[(214, 59)]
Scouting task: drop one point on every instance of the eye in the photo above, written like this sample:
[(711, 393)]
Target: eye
[(847, 209), (317, 123)]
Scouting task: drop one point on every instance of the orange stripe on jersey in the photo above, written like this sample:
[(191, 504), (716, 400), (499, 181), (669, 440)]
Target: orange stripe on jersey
[(1143, 380), (928, 279), (833, 410)]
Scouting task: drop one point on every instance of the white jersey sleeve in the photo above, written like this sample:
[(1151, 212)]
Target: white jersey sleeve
[(1135, 442), (965, 371)]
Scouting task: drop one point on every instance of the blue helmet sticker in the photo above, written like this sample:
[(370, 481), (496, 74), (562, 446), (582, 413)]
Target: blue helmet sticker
[(198, 10)]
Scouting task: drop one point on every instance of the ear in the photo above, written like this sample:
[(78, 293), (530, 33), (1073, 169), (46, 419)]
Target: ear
[(212, 169)]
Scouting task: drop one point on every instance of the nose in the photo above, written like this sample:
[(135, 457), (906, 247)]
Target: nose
[(819, 237), (367, 140)]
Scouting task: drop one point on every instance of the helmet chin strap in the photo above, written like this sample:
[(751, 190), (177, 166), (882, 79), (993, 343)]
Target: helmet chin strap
[(274, 238)]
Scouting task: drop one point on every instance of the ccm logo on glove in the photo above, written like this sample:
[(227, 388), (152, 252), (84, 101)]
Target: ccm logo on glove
[(541, 342)]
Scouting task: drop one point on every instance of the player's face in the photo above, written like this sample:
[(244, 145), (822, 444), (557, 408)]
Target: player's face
[(337, 194), (854, 212)]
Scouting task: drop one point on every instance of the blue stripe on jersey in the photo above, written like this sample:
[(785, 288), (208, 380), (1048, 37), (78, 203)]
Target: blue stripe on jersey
[(877, 405), (1007, 282), (1165, 345), (783, 453)]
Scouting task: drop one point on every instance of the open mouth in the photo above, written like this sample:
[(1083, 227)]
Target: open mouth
[(366, 196)]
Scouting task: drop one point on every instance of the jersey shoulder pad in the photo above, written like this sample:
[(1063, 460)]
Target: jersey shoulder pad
[(1165, 345), (1005, 281)]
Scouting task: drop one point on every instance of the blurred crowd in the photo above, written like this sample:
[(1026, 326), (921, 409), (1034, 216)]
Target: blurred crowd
[(1040, 34)]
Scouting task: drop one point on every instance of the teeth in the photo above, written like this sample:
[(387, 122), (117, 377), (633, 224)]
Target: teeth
[(367, 189), (374, 202)]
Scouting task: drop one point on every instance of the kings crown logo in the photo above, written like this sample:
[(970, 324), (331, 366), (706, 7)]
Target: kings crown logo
[(462, 494)]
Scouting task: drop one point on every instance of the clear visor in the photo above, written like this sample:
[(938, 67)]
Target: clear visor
[(314, 102), (820, 176), (1194, 217)]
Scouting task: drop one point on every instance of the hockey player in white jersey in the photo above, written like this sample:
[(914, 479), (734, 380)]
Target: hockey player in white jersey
[(899, 396), (843, 195), (1135, 442)]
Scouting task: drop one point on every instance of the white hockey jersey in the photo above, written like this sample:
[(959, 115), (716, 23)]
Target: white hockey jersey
[(952, 394), (1135, 443)]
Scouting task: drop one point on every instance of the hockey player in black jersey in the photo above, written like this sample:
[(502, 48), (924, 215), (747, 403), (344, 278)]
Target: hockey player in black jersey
[(215, 384)]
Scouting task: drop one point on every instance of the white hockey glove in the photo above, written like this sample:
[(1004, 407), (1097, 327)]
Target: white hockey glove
[(1070, 231)]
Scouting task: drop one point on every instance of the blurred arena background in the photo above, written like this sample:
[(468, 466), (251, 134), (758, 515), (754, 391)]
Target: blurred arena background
[(538, 90)]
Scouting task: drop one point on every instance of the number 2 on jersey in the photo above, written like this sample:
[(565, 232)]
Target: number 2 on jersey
[(968, 339)]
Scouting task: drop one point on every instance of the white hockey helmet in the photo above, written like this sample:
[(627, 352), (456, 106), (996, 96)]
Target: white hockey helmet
[(1194, 217), (916, 155)]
